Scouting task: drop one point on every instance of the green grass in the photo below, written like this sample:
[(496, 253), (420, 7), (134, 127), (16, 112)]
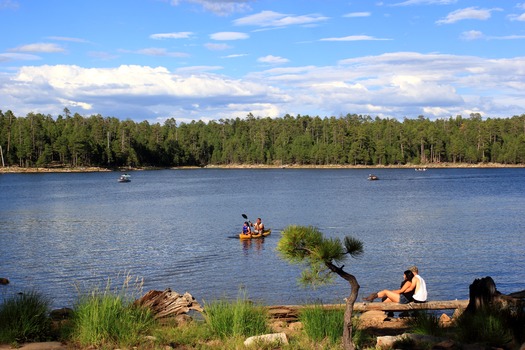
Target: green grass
[(106, 318), (426, 323), (24, 318), (235, 319), (320, 324), (488, 327)]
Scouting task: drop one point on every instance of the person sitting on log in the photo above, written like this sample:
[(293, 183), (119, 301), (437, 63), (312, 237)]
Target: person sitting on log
[(404, 295), (419, 285)]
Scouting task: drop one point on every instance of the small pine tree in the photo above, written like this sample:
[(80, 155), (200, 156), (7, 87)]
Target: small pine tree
[(323, 257)]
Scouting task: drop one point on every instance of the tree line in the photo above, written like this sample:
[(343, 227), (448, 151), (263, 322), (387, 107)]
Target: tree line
[(39, 140)]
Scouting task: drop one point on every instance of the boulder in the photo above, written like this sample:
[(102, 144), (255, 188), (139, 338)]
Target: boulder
[(273, 338)]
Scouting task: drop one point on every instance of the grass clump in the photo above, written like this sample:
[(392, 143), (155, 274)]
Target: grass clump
[(426, 323), (24, 318), (320, 324), (109, 319), (490, 327), (236, 319)]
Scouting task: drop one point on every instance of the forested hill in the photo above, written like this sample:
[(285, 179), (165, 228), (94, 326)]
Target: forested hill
[(73, 141)]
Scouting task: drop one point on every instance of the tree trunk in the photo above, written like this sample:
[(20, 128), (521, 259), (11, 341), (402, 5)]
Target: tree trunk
[(348, 344)]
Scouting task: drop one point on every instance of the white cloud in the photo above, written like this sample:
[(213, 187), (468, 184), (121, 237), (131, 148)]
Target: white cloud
[(217, 47), (472, 35), (517, 17), (229, 36), (275, 19), (467, 13), (5, 57), (159, 51), (175, 35), (270, 59), (353, 38), (219, 7), (394, 84), (235, 55), (65, 38), (476, 35), (357, 14), (425, 2), (39, 47), (9, 4)]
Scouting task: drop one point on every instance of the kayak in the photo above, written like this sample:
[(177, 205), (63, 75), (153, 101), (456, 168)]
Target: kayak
[(258, 235)]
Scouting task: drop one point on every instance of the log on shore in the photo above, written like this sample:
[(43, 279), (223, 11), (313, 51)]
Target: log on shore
[(291, 312), (168, 304)]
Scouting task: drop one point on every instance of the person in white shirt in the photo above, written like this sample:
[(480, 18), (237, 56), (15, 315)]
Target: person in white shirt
[(419, 285)]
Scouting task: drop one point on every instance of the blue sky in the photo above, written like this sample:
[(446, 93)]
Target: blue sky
[(211, 59)]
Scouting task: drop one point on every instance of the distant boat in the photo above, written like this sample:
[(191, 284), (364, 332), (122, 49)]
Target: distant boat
[(372, 177), (124, 178), (421, 169)]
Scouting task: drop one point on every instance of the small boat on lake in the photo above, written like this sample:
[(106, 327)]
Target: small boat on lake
[(124, 178), (372, 177), (421, 169), (255, 235)]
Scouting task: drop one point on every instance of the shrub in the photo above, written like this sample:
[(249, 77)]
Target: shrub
[(25, 318)]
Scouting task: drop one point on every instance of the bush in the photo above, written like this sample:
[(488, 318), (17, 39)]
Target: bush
[(25, 318)]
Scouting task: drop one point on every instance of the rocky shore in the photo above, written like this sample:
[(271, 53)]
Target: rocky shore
[(17, 169)]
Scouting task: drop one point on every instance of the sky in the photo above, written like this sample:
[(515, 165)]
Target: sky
[(150, 60)]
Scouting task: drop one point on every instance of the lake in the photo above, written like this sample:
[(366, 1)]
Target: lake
[(62, 234)]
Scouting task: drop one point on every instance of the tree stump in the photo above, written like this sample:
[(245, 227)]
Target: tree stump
[(482, 293)]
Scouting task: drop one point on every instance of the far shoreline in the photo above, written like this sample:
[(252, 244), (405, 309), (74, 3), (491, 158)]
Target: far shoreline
[(31, 170)]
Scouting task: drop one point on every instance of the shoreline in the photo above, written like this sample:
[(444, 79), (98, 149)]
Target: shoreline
[(22, 170)]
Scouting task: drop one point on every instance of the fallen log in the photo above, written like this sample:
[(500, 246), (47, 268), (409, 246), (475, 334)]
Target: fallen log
[(291, 312), (167, 303)]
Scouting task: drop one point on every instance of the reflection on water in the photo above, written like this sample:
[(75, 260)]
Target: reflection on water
[(178, 229)]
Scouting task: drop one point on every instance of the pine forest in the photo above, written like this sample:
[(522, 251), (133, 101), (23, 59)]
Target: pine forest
[(38, 140)]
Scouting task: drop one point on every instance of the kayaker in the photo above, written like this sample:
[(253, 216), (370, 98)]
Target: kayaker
[(258, 227), (246, 229)]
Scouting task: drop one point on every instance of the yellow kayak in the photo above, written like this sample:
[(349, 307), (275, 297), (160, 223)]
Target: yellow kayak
[(254, 235)]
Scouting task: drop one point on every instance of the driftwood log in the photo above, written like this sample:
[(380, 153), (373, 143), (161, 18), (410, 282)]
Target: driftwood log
[(168, 304)]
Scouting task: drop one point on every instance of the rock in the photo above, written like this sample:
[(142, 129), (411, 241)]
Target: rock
[(445, 320), (372, 318), (296, 326), (52, 345), (273, 338), (64, 313), (446, 345), (422, 340), (386, 342), (4, 281)]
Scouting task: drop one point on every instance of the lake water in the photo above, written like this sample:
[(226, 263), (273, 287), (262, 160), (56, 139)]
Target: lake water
[(68, 232)]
